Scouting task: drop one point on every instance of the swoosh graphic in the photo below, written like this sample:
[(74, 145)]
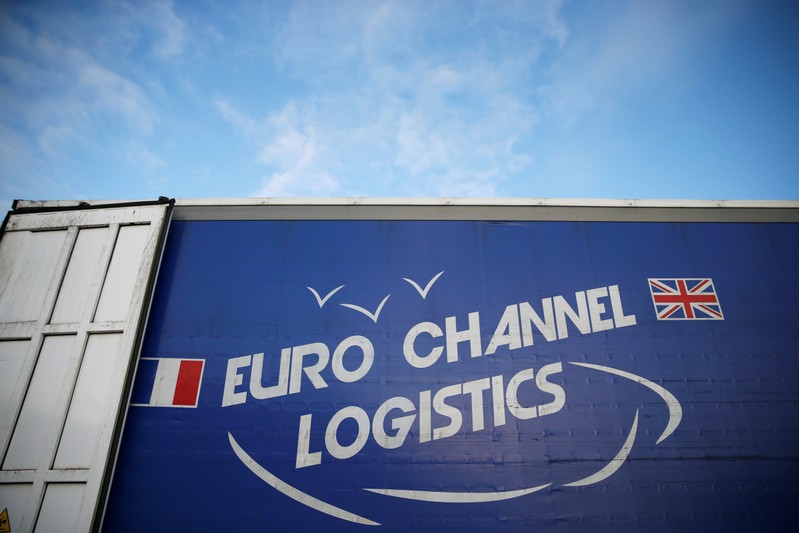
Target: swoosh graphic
[(675, 416), (614, 463), (423, 292), (675, 409), (457, 497), (322, 301), (293, 493), (374, 316)]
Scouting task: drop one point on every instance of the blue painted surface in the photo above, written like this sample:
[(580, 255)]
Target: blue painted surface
[(231, 289)]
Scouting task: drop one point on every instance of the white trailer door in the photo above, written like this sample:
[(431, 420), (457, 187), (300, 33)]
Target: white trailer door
[(74, 286)]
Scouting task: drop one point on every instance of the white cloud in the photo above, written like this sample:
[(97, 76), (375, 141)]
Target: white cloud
[(389, 107), (103, 90), (68, 90), (125, 28), (637, 43), (337, 98), (56, 84), (16, 160), (249, 127), (142, 157), (172, 28), (25, 173), (287, 142), (148, 165), (424, 147), (296, 151)]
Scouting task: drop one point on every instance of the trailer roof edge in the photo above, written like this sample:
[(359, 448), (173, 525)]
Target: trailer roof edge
[(428, 201)]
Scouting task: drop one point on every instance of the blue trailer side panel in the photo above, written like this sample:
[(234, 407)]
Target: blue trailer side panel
[(449, 376)]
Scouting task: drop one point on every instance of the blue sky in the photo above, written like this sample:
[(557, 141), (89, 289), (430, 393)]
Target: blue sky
[(562, 99)]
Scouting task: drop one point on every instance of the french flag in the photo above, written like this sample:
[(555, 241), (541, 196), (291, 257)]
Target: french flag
[(162, 382)]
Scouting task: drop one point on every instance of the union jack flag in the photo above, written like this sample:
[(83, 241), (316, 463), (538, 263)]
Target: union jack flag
[(685, 299)]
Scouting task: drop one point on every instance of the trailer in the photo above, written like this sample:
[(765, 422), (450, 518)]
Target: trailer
[(364, 364)]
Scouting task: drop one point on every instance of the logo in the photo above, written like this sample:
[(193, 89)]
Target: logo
[(453, 497), (419, 418), (168, 382), (685, 299)]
